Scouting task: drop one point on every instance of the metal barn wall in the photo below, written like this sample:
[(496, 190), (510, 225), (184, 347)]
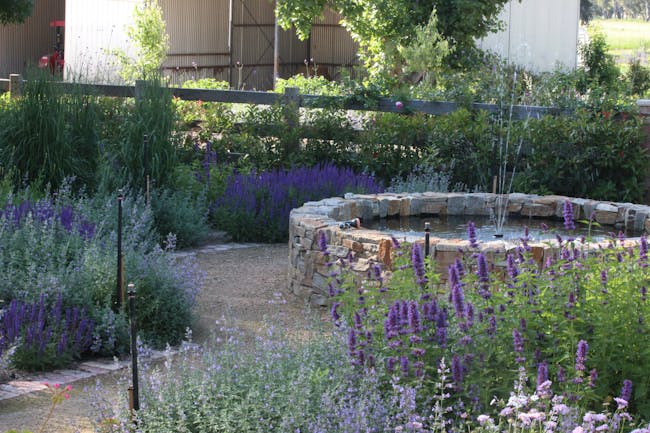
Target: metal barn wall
[(331, 45), (95, 28), (21, 45), (539, 34), (198, 37), (253, 23)]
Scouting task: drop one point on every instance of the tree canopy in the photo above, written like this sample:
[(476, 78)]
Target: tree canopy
[(15, 11), (386, 25)]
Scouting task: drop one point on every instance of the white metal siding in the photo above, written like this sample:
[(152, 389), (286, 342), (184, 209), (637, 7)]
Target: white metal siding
[(539, 34), (95, 28)]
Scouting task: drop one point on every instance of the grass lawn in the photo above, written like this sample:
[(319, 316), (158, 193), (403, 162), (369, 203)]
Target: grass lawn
[(627, 38)]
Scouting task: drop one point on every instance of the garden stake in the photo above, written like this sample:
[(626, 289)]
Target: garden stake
[(145, 145), (427, 230), (134, 350), (119, 295)]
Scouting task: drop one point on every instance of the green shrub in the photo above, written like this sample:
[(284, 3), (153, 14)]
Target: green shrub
[(47, 135), (639, 77), (181, 214)]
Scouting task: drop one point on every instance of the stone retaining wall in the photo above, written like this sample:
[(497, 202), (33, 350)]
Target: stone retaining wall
[(308, 273)]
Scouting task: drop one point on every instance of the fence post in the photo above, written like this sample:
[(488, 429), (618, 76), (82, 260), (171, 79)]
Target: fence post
[(291, 112), (15, 85), (644, 112), (139, 89)]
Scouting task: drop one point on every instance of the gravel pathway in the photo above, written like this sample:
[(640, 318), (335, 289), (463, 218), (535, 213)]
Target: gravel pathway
[(245, 283)]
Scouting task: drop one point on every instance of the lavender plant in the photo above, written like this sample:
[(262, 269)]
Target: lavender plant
[(256, 206), (488, 324)]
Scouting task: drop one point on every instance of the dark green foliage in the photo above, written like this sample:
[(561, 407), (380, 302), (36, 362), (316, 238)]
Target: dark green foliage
[(125, 162), (180, 213), (599, 66), (639, 77), (48, 136), (15, 11)]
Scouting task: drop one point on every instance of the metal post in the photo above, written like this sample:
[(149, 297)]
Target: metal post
[(134, 348), (276, 49), (427, 232), (145, 156), (15, 85), (119, 295)]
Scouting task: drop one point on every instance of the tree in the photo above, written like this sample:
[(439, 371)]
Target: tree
[(151, 41), (15, 11), (382, 26), (586, 10)]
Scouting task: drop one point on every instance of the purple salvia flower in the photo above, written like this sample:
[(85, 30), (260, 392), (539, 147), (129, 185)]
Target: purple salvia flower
[(542, 373), (522, 324), (457, 296), (513, 272), (626, 391), (458, 263), (390, 364), (66, 217), (483, 276), (352, 342), (603, 277), (492, 325), (414, 317), (404, 365), (395, 242), (581, 355), (417, 260), (561, 375), (593, 375), (470, 314), (471, 234), (441, 335), (334, 311), (457, 372), (392, 325), (518, 345), (322, 242), (643, 250), (644, 293), (568, 216), (358, 323)]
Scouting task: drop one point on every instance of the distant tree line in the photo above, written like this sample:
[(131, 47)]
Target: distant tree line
[(620, 9)]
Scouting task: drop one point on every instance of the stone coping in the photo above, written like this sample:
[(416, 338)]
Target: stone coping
[(308, 273)]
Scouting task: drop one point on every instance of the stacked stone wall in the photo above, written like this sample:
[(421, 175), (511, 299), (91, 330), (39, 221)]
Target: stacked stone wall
[(308, 269)]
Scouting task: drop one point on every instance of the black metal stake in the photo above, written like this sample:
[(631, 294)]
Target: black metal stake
[(134, 349), (145, 145), (427, 230), (119, 294)]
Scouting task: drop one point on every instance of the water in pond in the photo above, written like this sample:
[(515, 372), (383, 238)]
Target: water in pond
[(455, 227)]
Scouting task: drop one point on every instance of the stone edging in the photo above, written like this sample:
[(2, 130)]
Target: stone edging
[(308, 273)]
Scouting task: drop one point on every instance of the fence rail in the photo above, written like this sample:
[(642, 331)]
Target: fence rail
[(291, 96)]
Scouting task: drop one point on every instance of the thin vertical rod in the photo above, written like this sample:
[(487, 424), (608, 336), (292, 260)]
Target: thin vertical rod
[(145, 151), (134, 348), (276, 48), (119, 291), (427, 234)]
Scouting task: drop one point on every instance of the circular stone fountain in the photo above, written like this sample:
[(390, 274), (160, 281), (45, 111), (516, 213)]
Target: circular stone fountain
[(308, 271)]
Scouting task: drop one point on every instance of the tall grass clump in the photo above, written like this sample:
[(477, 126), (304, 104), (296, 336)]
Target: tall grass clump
[(256, 206), (47, 135), (125, 161), (64, 245), (579, 319)]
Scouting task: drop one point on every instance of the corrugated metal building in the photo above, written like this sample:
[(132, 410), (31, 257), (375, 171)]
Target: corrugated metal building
[(539, 34), (23, 44), (233, 40)]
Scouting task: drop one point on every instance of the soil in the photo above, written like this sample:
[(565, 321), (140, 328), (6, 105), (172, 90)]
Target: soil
[(246, 286)]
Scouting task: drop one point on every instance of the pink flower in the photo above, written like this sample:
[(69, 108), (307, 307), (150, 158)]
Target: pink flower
[(57, 385), (578, 429), (622, 403), (399, 105), (66, 396), (483, 419), (68, 388)]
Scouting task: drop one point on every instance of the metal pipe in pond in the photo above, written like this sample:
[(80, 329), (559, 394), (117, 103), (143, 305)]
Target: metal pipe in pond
[(134, 347), (427, 232)]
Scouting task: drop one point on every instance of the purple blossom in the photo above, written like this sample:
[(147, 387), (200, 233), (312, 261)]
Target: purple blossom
[(457, 296), (581, 355), (626, 391), (513, 272), (417, 260), (457, 372), (518, 345), (483, 276), (322, 242), (593, 376), (568, 216), (471, 235), (404, 365), (334, 311), (414, 317)]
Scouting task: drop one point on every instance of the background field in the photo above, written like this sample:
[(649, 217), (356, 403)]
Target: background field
[(628, 39)]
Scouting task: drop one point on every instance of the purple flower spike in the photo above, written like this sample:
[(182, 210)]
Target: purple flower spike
[(568, 216), (457, 296), (457, 371), (335, 313), (626, 391), (593, 375), (581, 355), (542, 373), (417, 260), (404, 365), (471, 234), (518, 345), (322, 242), (414, 317)]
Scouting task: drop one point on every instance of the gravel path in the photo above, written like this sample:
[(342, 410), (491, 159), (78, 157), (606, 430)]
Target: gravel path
[(246, 284)]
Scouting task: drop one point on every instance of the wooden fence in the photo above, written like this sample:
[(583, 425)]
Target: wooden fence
[(290, 99)]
